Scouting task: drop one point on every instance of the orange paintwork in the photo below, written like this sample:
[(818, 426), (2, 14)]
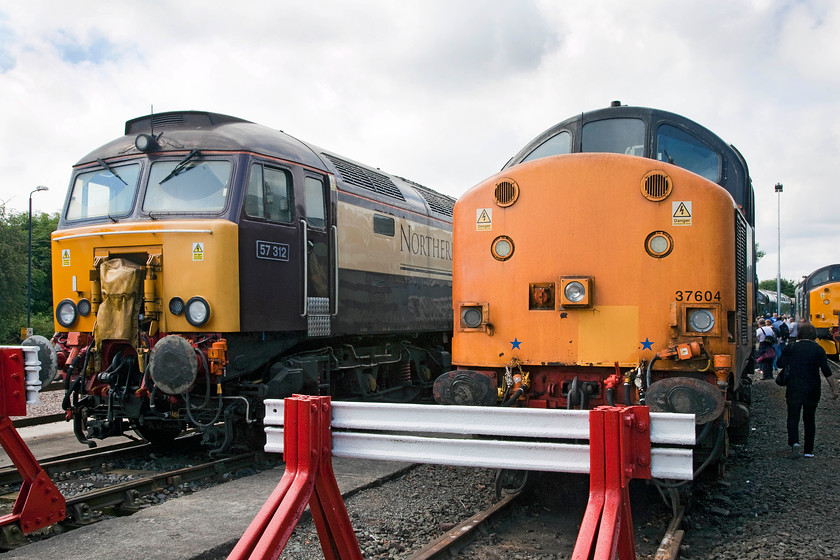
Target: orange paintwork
[(584, 215)]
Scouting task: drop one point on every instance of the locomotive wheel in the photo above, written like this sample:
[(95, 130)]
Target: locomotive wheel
[(159, 437)]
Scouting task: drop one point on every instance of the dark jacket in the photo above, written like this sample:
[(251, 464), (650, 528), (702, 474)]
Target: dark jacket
[(805, 359)]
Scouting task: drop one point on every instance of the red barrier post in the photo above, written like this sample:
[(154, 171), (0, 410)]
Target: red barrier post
[(619, 450), (39, 504), (309, 477)]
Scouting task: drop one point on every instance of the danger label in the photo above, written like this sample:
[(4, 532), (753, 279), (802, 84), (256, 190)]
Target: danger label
[(198, 252), (483, 219), (681, 212), (65, 257)]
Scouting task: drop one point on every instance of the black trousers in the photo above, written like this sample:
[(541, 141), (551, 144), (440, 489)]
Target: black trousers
[(809, 418)]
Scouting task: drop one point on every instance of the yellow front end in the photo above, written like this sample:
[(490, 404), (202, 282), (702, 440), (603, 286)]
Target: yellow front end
[(175, 260), (824, 308)]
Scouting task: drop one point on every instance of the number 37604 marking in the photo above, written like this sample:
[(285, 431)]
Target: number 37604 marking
[(696, 295)]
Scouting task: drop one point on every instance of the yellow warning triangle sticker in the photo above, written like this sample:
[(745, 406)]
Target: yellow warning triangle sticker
[(483, 218), (682, 211)]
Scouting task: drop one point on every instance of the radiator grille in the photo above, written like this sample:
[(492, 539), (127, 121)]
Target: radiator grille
[(437, 202), (366, 178), (741, 278)]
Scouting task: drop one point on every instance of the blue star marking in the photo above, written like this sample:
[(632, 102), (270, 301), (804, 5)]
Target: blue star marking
[(647, 344), (515, 343)]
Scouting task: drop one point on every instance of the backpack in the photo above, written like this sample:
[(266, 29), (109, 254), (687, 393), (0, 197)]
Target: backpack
[(769, 338), (784, 331)]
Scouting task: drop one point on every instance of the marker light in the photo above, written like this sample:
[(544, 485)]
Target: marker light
[(176, 306), (84, 307)]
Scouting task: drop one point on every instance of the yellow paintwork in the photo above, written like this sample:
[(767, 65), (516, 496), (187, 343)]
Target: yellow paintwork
[(584, 215), (822, 315), (211, 272)]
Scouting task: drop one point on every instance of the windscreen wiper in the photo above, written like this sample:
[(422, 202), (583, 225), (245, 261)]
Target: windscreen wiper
[(182, 165), (107, 166)]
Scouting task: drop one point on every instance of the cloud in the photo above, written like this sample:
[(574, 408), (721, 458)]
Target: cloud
[(96, 49)]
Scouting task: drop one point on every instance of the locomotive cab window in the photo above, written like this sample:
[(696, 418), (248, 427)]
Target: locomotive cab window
[(193, 185), (104, 192), (680, 148), (315, 210), (269, 194), (558, 144), (615, 136)]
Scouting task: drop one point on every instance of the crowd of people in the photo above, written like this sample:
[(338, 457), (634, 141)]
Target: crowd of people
[(787, 346)]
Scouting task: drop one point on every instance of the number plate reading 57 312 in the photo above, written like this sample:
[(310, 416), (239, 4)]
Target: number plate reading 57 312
[(272, 251)]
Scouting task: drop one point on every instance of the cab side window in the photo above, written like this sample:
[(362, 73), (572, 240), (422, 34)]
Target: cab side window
[(269, 194), (315, 212)]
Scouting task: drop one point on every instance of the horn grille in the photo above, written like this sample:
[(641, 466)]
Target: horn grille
[(506, 192), (656, 186)]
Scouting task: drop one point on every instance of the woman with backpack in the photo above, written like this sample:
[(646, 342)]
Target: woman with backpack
[(766, 349), (805, 359)]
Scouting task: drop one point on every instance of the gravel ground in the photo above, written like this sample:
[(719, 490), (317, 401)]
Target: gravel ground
[(768, 505), (49, 403)]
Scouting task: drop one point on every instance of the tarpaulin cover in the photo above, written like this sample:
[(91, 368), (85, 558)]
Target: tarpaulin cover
[(117, 316)]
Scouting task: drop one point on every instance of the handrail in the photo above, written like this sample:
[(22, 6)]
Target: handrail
[(305, 252), (131, 232)]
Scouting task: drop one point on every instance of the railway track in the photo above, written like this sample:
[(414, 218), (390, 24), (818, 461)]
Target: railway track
[(86, 479)]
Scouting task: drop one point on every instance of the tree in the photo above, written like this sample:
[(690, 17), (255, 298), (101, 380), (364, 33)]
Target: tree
[(788, 286), (14, 248), (758, 253)]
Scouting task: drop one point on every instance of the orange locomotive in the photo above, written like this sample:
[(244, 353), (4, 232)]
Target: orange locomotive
[(621, 275)]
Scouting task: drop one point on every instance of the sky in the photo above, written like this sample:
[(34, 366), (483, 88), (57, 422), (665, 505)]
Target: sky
[(442, 92)]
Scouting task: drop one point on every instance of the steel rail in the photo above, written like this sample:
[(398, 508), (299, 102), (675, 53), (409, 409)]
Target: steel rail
[(463, 533), (124, 496)]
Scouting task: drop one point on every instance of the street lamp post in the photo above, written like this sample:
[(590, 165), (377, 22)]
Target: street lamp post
[(39, 188), (779, 189)]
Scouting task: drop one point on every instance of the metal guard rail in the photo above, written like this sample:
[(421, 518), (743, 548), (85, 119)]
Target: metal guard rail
[(510, 438), (619, 449)]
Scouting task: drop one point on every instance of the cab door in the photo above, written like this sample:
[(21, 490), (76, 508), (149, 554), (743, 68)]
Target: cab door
[(272, 259), (319, 236)]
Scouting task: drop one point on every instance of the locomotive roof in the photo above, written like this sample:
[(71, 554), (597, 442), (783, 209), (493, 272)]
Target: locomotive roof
[(185, 130), (734, 175)]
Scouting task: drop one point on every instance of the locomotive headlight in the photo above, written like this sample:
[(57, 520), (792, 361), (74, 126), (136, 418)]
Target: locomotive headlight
[(144, 142), (701, 320), (66, 313), (574, 292), (197, 311)]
